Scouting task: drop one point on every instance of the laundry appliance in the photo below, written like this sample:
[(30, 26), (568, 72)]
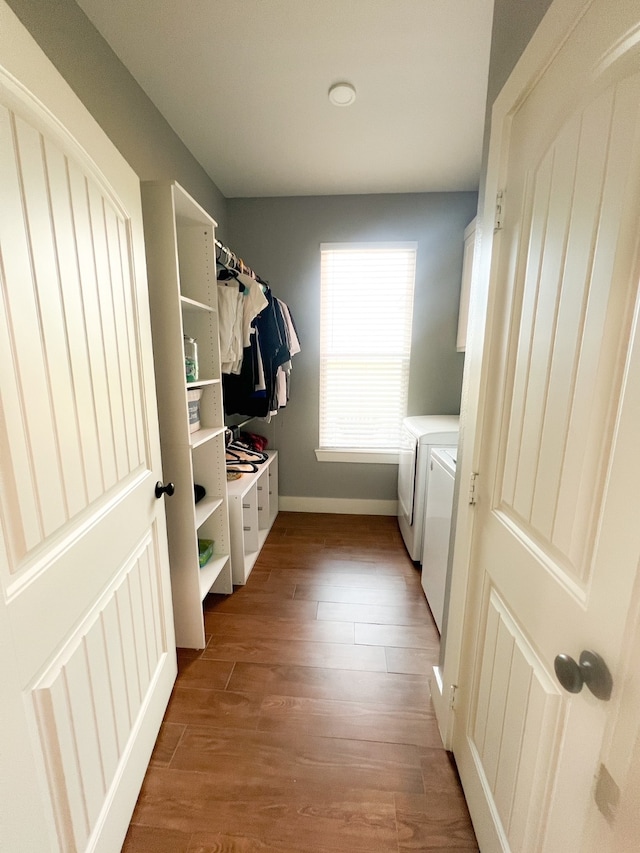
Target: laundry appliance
[(437, 528), (419, 435)]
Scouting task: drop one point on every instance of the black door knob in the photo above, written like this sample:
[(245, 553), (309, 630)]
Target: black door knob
[(591, 670), (161, 489)]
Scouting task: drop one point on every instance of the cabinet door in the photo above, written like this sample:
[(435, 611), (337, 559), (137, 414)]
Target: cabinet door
[(273, 488), (263, 489), (250, 520)]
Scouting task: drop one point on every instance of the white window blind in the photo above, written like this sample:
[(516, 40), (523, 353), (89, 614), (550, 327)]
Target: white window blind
[(366, 314)]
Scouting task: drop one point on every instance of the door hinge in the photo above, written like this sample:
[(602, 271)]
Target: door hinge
[(472, 488), (453, 689), (497, 226)]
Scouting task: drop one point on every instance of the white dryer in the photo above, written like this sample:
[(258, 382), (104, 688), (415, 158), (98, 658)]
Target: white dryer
[(419, 435)]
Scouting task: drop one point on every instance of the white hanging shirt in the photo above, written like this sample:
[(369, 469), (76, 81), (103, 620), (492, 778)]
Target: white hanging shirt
[(230, 319), (253, 302)]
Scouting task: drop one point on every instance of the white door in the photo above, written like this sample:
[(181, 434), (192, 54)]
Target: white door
[(86, 636), (556, 536)]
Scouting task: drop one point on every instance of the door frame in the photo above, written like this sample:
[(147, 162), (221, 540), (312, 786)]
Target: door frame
[(555, 27)]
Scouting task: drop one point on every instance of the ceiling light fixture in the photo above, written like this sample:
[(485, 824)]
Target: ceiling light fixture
[(342, 94)]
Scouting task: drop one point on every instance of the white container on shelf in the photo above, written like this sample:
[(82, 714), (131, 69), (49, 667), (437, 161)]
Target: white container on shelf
[(193, 404)]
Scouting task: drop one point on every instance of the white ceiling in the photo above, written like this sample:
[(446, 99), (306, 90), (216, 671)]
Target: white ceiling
[(244, 84)]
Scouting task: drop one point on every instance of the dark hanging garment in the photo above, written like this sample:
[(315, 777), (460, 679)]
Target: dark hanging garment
[(240, 396)]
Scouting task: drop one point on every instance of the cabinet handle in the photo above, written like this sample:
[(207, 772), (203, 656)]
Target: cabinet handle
[(246, 506), (259, 488), (260, 508), (246, 529)]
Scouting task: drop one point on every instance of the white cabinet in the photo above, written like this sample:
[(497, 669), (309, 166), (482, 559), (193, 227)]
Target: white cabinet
[(253, 507), (465, 289), (180, 247)]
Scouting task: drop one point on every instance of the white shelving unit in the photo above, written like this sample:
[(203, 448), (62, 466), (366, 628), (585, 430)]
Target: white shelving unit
[(179, 237), (253, 507)]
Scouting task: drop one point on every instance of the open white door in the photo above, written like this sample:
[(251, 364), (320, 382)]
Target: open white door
[(556, 539), (86, 635)]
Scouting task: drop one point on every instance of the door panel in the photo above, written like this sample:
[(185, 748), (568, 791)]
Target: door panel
[(88, 702), (555, 550), (45, 450), (515, 723), (564, 350), (87, 646)]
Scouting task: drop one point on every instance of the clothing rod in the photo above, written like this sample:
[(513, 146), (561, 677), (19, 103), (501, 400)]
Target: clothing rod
[(233, 260), (243, 423), (235, 428)]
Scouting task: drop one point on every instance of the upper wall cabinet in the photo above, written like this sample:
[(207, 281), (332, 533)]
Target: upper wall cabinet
[(465, 289), (181, 264)]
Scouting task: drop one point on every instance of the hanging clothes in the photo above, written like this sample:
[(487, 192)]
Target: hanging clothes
[(253, 302), (284, 371), (230, 323), (261, 387), (258, 339), (240, 300)]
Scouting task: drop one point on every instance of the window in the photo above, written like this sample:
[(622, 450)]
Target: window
[(366, 310)]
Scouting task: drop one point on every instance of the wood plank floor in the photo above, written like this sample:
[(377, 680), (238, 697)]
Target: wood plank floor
[(305, 726)]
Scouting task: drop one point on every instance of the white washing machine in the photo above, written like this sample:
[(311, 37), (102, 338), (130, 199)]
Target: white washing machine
[(437, 528), (419, 435)]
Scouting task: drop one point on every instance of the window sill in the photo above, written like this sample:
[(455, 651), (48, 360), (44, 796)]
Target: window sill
[(354, 454)]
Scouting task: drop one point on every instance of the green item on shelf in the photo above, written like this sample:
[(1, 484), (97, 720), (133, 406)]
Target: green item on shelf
[(191, 358), (205, 550)]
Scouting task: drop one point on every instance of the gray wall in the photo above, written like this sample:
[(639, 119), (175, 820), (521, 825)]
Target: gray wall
[(280, 238), (115, 100), (514, 22)]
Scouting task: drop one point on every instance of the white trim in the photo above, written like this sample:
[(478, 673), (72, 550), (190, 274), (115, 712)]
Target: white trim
[(441, 706), (370, 245), (338, 506), (354, 454)]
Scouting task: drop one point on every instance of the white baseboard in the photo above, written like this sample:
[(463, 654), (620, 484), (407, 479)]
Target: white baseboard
[(340, 506)]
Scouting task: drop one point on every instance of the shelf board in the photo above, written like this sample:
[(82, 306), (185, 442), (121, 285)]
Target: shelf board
[(210, 572), (239, 487), (191, 305), (201, 435), (205, 508), (200, 382)]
